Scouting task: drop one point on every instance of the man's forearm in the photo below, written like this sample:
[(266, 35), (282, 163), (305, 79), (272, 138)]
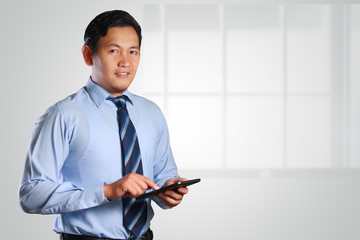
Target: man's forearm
[(47, 197)]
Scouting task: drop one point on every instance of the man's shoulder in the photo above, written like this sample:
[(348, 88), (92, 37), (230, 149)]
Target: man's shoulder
[(71, 104), (144, 102)]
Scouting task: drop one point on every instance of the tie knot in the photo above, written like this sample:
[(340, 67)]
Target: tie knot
[(120, 101)]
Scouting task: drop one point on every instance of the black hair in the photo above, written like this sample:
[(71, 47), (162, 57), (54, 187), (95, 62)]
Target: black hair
[(99, 26)]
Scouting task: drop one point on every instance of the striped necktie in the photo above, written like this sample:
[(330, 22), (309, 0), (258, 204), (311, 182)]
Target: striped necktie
[(135, 211)]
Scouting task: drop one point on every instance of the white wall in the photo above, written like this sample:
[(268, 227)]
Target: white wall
[(248, 198), (249, 205)]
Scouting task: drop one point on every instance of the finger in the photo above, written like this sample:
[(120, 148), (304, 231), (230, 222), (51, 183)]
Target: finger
[(133, 189), (143, 181), (169, 201), (150, 184), (182, 179), (143, 184), (182, 190), (174, 180), (135, 185), (174, 195)]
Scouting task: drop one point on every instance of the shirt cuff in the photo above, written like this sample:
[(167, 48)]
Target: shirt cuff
[(94, 195)]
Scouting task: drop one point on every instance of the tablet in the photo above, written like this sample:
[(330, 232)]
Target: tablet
[(172, 186)]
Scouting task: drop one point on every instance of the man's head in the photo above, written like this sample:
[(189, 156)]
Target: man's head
[(99, 26), (112, 49)]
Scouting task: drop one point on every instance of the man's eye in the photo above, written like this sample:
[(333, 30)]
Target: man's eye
[(133, 52), (114, 51)]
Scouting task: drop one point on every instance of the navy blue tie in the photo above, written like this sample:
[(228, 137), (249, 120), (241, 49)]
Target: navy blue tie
[(135, 211)]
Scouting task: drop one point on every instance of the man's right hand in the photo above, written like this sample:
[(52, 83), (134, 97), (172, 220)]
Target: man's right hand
[(131, 185)]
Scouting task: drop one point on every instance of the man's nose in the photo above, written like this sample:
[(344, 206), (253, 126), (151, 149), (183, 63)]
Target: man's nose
[(124, 61)]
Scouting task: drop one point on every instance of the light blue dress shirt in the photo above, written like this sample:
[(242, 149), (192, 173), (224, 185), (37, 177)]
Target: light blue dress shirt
[(75, 150)]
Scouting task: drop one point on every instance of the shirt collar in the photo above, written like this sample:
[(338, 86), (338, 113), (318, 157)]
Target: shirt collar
[(99, 95), (129, 96)]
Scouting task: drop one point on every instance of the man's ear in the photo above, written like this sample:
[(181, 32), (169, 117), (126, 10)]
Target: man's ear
[(86, 52)]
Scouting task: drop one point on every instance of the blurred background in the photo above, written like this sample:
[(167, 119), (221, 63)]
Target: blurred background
[(269, 92)]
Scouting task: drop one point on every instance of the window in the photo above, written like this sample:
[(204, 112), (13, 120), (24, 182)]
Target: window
[(256, 86)]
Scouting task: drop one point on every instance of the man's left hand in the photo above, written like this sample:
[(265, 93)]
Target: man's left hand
[(172, 198)]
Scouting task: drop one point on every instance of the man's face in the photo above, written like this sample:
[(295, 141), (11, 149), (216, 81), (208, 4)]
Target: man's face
[(116, 59)]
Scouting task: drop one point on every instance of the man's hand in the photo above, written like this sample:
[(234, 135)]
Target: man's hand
[(131, 185), (172, 198)]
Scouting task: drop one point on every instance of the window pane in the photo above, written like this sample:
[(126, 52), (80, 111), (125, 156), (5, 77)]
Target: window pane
[(194, 49), (355, 86), (308, 48), (309, 131), (152, 51), (254, 49), (255, 132), (196, 127)]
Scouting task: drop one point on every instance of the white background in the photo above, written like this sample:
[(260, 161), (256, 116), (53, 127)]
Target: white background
[(270, 89)]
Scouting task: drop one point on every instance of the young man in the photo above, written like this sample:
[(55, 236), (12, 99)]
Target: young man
[(92, 153)]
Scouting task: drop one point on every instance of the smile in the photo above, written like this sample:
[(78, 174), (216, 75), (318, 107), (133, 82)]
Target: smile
[(122, 74)]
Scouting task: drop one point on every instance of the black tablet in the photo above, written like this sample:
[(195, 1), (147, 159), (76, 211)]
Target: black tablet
[(172, 186)]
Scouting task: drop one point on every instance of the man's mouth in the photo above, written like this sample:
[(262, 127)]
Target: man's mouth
[(122, 74)]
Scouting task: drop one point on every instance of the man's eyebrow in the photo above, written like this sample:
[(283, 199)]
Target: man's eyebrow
[(135, 47), (117, 46), (113, 45)]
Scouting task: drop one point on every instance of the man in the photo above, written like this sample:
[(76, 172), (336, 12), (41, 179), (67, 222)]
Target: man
[(81, 164)]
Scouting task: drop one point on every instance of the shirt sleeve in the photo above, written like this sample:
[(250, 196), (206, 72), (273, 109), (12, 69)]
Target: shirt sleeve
[(165, 166), (42, 189)]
